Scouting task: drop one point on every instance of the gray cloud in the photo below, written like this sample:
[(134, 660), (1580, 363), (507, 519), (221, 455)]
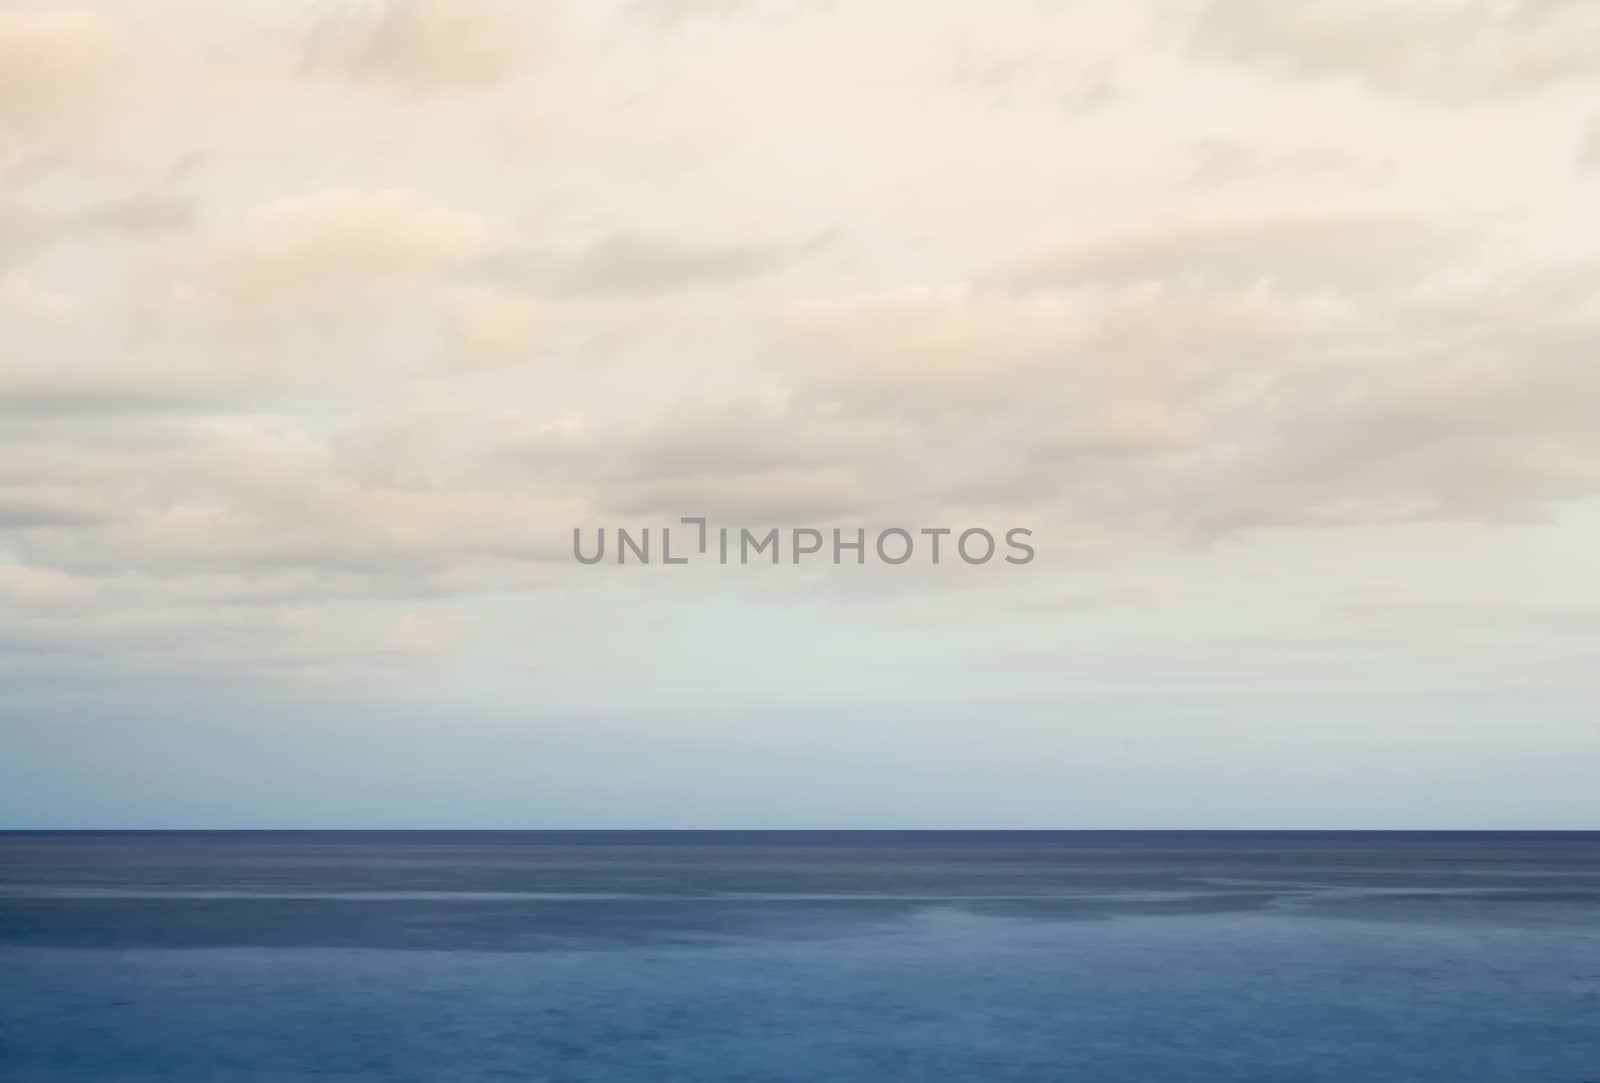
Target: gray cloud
[(44, 392), (48, 506)]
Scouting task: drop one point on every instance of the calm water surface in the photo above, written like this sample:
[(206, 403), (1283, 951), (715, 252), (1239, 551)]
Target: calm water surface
[(800, 956)]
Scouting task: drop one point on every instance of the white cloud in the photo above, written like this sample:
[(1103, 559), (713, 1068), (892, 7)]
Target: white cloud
[(1441, 50), (273, 334), (1589, 145), (429, 44), (632, 264), (20, 294), (492, 326), (347, 236), (24, 586), (1343, 252), (46, 57)]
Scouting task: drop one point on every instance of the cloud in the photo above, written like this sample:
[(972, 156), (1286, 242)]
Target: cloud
[(24, 586), (46, 58), (1131, 427), (921, 350), (463, 279), (629, 264), (48, 505), (750, 461), (1589, 145), (1306, 372), (1222, 162), (428, 44), (21, 295), (754, 497), (1491, 436), (29, 232), (676, 13), (48, 390), (345, 234), (135, 214), (694, 440), (492, 326), (1347, 251), (295, 274), (1447, 52), (242, 495)]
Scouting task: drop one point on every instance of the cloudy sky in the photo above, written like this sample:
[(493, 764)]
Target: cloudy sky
[(323, 324)]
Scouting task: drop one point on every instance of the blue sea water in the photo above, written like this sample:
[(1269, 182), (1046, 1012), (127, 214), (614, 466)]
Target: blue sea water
[(1104, 958)]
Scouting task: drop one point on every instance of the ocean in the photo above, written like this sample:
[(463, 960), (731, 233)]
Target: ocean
[(1118, 957)]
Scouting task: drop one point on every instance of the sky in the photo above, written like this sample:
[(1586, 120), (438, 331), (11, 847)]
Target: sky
[(323, 325)]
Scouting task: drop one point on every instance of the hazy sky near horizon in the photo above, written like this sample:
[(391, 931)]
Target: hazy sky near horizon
[(323, 324)]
